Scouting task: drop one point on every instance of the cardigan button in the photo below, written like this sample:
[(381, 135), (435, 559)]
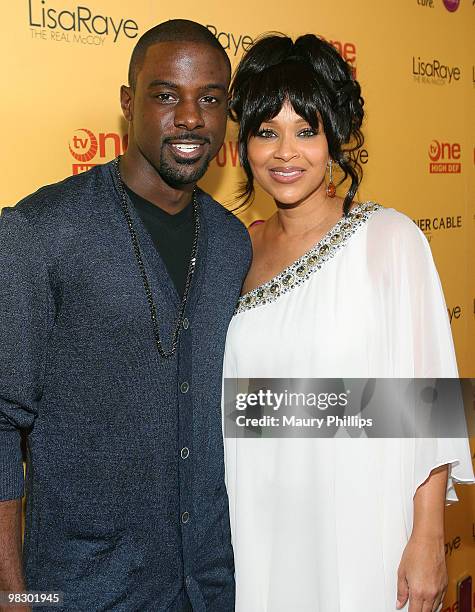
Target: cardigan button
[(184, 387), (186, 323), (185, 517), (185, 452)]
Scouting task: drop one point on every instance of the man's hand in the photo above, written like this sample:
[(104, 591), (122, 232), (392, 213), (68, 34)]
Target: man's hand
[(11, 566)]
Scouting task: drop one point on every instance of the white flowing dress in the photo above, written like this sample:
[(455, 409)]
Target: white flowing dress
[(319, 525)]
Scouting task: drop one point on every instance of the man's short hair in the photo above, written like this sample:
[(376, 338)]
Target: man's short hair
[(175, 30)]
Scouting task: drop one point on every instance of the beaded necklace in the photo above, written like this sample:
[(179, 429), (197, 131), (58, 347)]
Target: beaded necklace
[(148, 292)]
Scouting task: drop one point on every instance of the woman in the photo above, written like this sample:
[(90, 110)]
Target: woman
[(336, 289)]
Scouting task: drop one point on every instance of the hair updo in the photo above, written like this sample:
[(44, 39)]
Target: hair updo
[(316, 80)]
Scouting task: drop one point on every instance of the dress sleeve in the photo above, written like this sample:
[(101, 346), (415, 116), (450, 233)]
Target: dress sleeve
[(26, 318), (419, 336)]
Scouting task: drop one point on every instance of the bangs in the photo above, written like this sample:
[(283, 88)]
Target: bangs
[(291, 81)]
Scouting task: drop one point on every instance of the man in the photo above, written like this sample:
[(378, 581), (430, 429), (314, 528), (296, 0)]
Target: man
[(113, 318)]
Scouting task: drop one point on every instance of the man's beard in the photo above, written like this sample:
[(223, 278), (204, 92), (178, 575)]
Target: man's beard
[(180, 173)]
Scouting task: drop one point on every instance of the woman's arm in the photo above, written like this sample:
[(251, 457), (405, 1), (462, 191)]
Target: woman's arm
[(422, 573)]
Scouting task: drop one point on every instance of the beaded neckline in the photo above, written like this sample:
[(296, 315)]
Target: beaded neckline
[(311, 261)]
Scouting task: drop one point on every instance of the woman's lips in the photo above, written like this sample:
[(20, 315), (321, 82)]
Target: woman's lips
[(288, 174)]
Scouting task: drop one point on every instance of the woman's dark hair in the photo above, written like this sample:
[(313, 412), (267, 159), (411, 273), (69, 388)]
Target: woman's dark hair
[(316, 80)]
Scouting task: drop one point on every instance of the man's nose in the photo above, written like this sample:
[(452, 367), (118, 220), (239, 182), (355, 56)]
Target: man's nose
[(188, 115)]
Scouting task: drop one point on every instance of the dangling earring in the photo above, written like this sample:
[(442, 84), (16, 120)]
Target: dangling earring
[(331, 189)]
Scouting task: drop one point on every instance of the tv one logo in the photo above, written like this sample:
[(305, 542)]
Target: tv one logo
[(88, 150), (444, 158)]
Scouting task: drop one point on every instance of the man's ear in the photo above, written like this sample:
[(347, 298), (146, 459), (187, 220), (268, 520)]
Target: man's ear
[(127, 102)]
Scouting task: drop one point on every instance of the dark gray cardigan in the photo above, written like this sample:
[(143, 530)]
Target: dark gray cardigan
[(118, 517)]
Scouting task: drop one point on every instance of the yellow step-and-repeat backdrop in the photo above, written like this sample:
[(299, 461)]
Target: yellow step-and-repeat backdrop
[(63, 62)]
